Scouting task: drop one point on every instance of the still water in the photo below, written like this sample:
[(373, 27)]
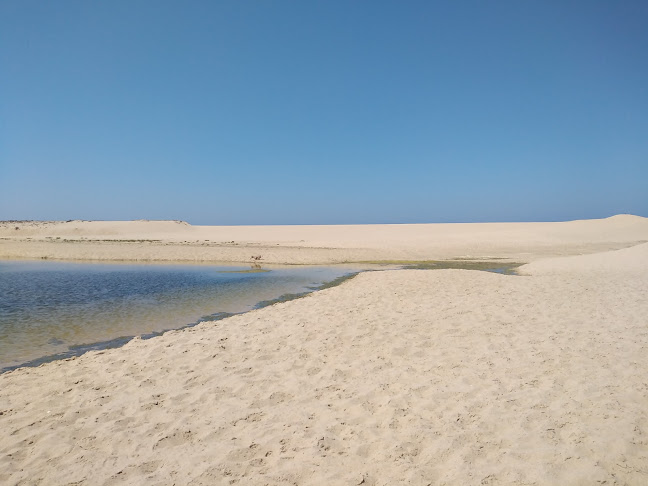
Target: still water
[(57, 308)]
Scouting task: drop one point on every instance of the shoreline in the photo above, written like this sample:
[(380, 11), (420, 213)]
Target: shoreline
[(78, 350)]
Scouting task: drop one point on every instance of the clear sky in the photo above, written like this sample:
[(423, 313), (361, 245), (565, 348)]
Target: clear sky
[(296, 112)]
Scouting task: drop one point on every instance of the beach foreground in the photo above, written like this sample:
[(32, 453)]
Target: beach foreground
[(401, 376)]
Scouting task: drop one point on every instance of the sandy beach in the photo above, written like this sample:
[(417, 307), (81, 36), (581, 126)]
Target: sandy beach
[(422, 377), (182, 242)]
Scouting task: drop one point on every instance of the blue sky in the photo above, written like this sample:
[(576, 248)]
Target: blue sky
[(323, 112)]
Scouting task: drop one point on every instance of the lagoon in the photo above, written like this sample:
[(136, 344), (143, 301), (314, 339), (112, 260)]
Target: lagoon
[(61, 309)]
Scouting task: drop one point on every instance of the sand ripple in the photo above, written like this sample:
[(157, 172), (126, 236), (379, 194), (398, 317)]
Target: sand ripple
[(415, 377)]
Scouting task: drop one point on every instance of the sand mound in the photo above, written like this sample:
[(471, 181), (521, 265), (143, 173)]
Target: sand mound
[(93, 229), (178, 241), (627, 260)]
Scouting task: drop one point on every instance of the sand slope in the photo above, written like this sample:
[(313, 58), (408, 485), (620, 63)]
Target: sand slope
[(632, 260), (444, 377), (178, 241)]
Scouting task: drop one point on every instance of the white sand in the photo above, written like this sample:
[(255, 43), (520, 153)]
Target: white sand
[(177, 241), (415, 377)]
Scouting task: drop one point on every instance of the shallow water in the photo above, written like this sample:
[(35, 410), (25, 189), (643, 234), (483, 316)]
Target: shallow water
[(47, 308)]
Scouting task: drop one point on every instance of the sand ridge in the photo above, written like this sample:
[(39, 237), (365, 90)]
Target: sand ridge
[(179, 241), (418, 377)]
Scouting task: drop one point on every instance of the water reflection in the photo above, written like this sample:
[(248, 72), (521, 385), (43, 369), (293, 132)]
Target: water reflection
[(50, 307)]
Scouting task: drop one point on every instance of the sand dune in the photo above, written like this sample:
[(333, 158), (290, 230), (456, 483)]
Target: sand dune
[(178, 241), (447, 377), (626, 261)]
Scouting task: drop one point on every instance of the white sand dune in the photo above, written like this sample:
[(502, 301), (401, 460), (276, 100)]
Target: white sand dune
[(442, 377), (178, 241), (628, 260)]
